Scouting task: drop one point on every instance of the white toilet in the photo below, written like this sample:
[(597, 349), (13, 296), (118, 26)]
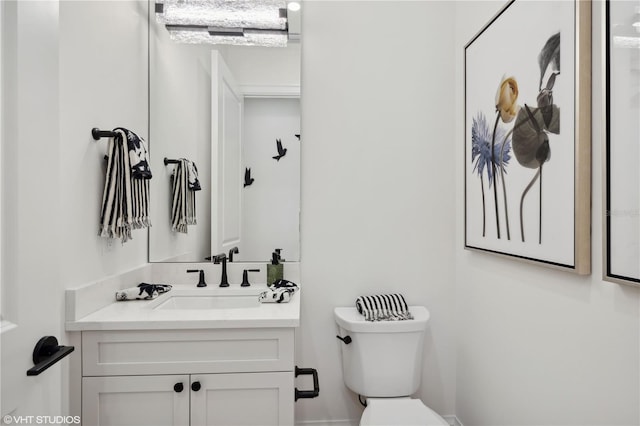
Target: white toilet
[(382, 361)]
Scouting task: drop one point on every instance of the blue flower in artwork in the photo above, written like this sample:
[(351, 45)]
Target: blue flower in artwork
[(502, 150), (481, 141), (481, 148)]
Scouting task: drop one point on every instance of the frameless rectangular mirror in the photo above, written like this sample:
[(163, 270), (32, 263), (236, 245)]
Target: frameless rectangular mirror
[(234, 112)]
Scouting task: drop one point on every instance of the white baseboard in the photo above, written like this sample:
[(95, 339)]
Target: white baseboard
[(451, 419), (355, 422)]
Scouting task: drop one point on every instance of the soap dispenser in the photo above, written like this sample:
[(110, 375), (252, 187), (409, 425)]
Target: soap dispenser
[(275, 271)]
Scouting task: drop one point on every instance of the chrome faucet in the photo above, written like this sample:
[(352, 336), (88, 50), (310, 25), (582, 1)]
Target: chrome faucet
[(222, 257)]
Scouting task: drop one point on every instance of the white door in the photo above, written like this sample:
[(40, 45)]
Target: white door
[(247, 399), (31, 296), (135, 401), (226, 149)]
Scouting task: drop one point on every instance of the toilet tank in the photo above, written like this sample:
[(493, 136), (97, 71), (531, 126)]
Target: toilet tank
[(384, 358)]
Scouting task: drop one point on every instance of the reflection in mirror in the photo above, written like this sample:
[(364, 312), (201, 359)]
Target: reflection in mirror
[(622, 184), (248, 164)]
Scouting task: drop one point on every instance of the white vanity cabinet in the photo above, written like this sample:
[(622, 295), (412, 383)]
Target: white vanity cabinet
[(188, 377), (135, 400), (243, 399)]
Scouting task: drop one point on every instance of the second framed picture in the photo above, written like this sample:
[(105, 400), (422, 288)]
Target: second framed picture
[(622, 147)]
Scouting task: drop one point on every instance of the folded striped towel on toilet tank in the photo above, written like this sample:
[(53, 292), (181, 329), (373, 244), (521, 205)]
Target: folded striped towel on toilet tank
[(383, 307)]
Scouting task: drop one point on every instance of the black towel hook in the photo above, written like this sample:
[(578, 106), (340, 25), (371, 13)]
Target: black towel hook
[(98, 134), (168, 161)]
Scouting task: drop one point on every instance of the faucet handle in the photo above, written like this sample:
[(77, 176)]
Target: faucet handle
[(201, 281), (222, 257), (234, 250), (245, 277)]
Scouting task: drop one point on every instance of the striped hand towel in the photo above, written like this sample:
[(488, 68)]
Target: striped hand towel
[(183, 205), (383, 307), (192, 176), (125, 199), (138, 154)]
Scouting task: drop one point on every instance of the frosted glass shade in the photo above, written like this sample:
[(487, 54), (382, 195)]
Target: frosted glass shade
[(251, 37), (258, 14), (235, 22)]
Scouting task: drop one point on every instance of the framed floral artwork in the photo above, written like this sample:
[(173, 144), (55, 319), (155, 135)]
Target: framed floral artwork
[(622, 146), (528, 135)]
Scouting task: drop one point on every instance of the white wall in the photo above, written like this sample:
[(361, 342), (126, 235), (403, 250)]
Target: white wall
[(103, 83), (539, 346), (378, 166), (264, 66)]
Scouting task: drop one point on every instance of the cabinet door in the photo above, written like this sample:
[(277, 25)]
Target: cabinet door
[(247, 399), (135, 401)]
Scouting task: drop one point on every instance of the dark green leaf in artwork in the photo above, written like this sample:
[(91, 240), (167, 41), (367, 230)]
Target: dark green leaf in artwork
[(549, 55), (552, 80), (545, 101), (530, 140), (547, 114), (551, 116)]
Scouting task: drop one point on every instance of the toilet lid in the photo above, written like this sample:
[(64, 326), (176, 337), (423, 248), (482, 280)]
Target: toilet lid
[(399, 411)]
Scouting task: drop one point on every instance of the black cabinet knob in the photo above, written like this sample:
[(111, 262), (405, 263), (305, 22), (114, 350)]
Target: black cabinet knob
[(178, 387), (195, 386)]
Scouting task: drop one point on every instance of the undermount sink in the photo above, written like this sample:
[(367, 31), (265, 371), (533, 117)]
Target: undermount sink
[(235, 300)]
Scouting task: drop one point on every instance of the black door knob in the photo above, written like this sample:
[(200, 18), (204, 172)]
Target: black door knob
[(195, 386), (178, 387)]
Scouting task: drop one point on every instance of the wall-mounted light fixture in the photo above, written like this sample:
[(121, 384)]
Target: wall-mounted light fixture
[(236, 22), (293, 6)]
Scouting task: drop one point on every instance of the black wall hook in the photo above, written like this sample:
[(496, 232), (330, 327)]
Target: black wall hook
[(98, 134), (168, 161)]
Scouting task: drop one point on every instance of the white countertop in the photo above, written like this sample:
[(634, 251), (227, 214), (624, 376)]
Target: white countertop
[(141, 315)]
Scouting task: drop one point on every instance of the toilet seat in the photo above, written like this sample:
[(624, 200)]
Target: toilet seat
[(400, 412)]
